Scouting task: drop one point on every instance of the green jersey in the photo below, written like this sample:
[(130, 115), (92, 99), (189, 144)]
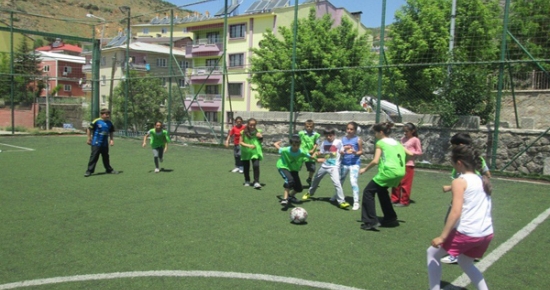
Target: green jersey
[(249, 153), (308, 139), (290, 160), (158, 139), (391, 167)]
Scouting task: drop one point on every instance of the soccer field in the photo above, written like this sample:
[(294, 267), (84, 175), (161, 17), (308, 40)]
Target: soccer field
[(194, 226)]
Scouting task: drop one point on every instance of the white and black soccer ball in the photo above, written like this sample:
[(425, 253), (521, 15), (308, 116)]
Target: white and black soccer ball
[(298, 215)]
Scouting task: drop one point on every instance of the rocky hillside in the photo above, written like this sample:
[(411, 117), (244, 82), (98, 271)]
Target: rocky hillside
[(68, 17)]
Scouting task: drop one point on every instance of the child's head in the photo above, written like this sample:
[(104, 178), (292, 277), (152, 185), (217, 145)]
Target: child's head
[(158, 126), (329, 134), (250, 127), (238, 121), (466, 158), (410, 130), (295, 142), (309, 125), (461, 139), (382, 129), (351, 128)]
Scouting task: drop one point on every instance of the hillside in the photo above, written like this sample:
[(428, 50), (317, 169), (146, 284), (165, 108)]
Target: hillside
[(68, 17)]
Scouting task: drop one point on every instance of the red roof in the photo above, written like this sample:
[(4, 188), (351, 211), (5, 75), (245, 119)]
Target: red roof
[(62, 47)]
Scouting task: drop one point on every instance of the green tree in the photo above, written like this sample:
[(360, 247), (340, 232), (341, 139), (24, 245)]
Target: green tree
[(4, 75), (420, 44), (145, 103), (57, 117), (321, 52), (26, 71), (530, 25)]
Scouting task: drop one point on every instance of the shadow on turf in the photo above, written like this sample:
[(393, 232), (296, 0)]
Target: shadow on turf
[(447, 285), (349, 200), (105, 173)]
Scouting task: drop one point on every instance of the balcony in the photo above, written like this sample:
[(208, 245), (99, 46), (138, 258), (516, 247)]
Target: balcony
[(210, 101), (206, 74), (87, 87), (204, 47), (87, 68), (136, 67)]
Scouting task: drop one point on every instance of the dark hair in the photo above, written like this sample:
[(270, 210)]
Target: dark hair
[(383, 127), (158, 122), (295, 139), (247, 131), (461, 138), (309, 121), (412, 128), (238, 118), (329, 131), (103, 111), (354, 124), (471, 159)]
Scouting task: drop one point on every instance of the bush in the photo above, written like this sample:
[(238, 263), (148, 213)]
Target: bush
[(57, 118)]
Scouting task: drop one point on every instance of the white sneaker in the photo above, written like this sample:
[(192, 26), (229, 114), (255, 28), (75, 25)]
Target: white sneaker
[(257, 185), (157, 170), (240, 171), (236, 169), (355, 206), (449, 260), (246, 183)]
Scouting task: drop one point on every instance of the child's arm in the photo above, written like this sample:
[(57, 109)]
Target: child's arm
[(374, 162), (145, 139), (446, 188), (227, 139), (241, 142), (458, 187), (277, 144)]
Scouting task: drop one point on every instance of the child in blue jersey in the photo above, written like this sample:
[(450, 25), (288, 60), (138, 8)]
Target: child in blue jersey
[(159, 143), (99, 132), (351, 160), (309, 139), (289, 165)]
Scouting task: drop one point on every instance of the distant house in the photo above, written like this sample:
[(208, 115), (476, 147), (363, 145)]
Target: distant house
[(59, 47), (64, 70)]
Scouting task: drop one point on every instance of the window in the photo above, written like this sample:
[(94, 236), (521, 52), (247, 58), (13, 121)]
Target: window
[(235, 90), (67, 70), (145, 31), (161, 62), (211, 116), (164, 30), (237, 31), (211, 90), (213, 37), (184, 64), (103, 60), (103, 98), (67, 88), (46, 68), (103, 80), (236, 60), (213, 63)]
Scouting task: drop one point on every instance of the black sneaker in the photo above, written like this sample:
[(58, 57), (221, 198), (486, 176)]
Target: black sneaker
[(390, 223), (309, 181), (88, 173), (293, 199)]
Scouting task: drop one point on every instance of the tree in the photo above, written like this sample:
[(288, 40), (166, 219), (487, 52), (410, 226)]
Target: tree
[(328, 59), (4, 75), (530, 25), (26, 72), (57, 117), (420, 44), (145, 103)]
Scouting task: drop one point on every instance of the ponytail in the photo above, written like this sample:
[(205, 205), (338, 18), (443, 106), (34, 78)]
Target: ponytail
[(471, 159)]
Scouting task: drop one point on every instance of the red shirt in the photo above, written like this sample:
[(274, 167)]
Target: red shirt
[(236, 132)]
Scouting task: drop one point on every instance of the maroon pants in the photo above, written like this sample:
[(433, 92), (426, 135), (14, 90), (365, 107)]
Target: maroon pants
[(402, 193)]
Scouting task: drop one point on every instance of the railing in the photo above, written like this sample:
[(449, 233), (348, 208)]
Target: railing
[(86, 87), (204, 70), (60, 100), (534, 80), (204, 97), (205, 41), (87, 67)]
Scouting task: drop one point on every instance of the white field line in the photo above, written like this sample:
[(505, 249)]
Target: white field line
[(497, 253), (24, 148), (206, 274)]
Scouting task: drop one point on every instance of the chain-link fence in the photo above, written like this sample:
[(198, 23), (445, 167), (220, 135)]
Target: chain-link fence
[(487, 59)]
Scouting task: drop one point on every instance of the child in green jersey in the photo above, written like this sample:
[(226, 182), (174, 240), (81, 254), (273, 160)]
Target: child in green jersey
[(309, 139), (251, 151), (390, 156), (289, 164), (159, 143)]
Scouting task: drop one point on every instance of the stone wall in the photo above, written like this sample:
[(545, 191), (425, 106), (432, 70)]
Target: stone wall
[(435, 139), (532, 108)]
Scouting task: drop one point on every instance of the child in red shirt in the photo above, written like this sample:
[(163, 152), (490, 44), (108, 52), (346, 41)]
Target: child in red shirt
[(236, 133)]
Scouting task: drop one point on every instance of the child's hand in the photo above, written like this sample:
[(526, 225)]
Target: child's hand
[(437, 242), (252, 146), (143, 145), (446, 188), (226, 143), (362, 170)]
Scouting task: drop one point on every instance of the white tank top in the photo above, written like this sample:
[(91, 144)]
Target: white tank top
[(475, 220)]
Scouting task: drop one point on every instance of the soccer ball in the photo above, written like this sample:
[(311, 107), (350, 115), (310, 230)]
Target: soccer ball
[(298, 215)]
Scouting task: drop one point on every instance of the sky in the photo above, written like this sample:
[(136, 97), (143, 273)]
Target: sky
[(371, 17)]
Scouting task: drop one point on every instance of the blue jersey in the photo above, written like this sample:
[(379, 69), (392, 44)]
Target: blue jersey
[(351, 158), (101, 130)]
